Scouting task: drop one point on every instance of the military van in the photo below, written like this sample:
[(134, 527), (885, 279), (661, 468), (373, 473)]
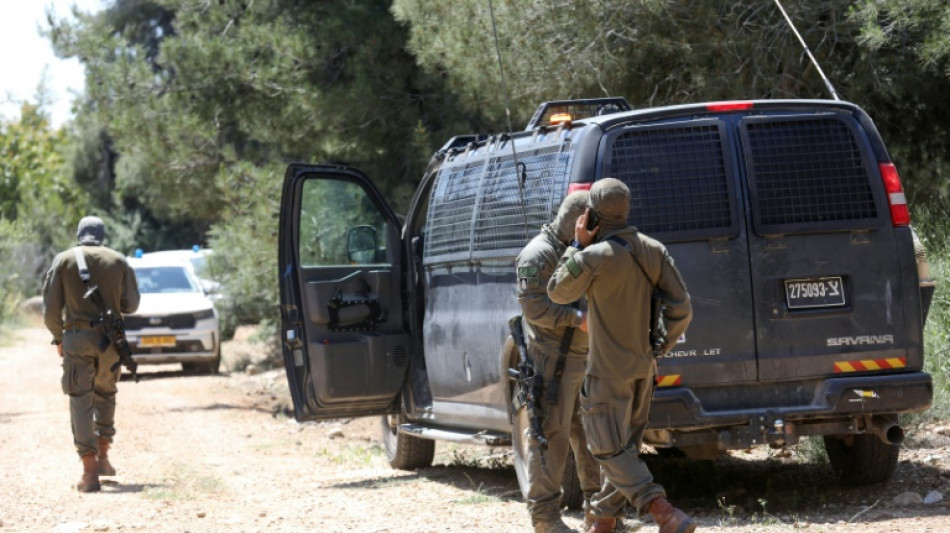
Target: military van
[(786, 218)]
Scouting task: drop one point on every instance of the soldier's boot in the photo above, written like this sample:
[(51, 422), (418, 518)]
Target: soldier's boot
[(552, 525), (669, 518), (603, 525), (589, 518), (105, 467), (90, 474)]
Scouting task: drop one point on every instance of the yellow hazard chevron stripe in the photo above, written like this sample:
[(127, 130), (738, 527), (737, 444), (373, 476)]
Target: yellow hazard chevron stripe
[(668, 381), (867, 365)]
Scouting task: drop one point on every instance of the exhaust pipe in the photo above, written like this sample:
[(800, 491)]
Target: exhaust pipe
[(888, 430)]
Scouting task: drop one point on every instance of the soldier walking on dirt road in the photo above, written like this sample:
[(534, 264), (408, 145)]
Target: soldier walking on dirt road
[(618, 272), (88, 375)]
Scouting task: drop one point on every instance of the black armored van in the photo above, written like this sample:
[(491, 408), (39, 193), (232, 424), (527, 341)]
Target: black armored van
[(786, 218)]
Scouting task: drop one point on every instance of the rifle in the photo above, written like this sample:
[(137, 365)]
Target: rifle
[(113, 331), (657, 327), (529, 385)]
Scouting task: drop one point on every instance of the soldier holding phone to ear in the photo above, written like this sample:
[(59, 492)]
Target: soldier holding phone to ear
[(618, 269)]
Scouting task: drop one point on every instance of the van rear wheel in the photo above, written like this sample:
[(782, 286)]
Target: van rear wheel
[(403, 451), (861, 459), (572, 495)]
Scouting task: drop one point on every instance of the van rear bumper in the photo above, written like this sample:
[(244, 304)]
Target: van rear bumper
[(841, 405)]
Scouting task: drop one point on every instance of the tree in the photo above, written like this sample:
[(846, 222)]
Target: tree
[(888, 56), (37, 199), (205, 102), (910, 43)]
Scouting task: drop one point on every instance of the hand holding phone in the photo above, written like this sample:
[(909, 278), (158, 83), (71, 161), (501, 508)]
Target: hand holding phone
[(586, 227), (592, 220)]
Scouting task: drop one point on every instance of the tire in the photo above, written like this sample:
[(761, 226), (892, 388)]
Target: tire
[(211, 367), (405, 452), (572, 495), (861, 459)]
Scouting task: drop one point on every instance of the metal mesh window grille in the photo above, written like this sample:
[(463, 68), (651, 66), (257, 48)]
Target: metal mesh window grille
[(475, 207), (807, 171), (677, 178), (450, 209), (500, 223)]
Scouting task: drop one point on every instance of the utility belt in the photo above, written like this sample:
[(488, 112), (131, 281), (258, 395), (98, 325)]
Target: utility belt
[(546, 350), (78, 325)]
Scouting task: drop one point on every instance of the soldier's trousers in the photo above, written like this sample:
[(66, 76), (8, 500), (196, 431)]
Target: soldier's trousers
[(91, 387), (564, 432), (615, 413)]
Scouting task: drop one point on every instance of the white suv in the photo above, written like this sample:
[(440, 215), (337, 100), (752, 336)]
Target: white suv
[(176, 322)]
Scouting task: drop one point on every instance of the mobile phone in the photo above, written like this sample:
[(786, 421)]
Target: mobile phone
[(592, 220)]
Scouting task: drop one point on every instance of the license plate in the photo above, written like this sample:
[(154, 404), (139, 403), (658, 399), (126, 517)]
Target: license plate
[(157, 341), (814, 292)]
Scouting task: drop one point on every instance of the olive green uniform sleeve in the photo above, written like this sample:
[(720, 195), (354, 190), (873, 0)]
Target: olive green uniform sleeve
[(535, 265), (571, 278), (677, 309), (53, 301), (129, 302)]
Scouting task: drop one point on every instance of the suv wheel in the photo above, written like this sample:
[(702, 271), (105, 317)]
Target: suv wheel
[(211, 367), (405, 452), (572, 495), (861, 459)]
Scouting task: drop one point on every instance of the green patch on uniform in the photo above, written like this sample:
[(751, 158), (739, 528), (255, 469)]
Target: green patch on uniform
[(528, 276), (573, 267)]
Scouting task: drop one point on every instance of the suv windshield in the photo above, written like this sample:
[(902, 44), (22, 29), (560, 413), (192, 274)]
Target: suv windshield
[(164, 280)]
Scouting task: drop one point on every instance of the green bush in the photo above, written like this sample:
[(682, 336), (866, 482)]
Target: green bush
[(245, 249), (934, 231), (17, 264)]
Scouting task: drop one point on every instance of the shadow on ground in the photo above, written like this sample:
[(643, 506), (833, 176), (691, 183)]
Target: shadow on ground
[(734, 489), (731, 491)]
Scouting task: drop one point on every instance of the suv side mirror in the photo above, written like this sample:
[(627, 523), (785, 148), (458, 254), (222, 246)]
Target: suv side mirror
[(362, 243)]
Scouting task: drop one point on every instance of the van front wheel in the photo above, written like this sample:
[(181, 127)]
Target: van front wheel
[(405, 452), (572, 495), (861, 459)]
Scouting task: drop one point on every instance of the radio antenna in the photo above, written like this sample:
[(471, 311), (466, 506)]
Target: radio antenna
[(814, 61), (520, 169)]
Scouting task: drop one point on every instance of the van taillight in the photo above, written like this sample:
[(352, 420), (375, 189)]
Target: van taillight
[(900, 215), (578, 187)]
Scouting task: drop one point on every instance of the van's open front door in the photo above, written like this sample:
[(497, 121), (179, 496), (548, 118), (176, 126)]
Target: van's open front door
[(344, 342)]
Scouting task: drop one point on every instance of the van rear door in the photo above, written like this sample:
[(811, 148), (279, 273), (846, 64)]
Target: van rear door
[(345, 344), (830, 272)]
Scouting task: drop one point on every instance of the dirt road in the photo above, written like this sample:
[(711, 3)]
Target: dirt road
[(216, 454)]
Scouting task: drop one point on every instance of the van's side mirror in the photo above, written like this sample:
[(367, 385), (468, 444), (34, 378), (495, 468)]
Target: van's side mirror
[(361, 244)]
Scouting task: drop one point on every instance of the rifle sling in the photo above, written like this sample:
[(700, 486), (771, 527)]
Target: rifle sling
[(555, 387), (81, 262), (657, 294), (84, 275), (636, 260)]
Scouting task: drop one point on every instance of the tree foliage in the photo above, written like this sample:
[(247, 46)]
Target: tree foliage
[(37, 197), (203, 102), (888, 56)]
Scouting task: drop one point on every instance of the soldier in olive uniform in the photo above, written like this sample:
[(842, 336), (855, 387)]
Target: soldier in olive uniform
[(88, 377), (549, 329), (618, 272)]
